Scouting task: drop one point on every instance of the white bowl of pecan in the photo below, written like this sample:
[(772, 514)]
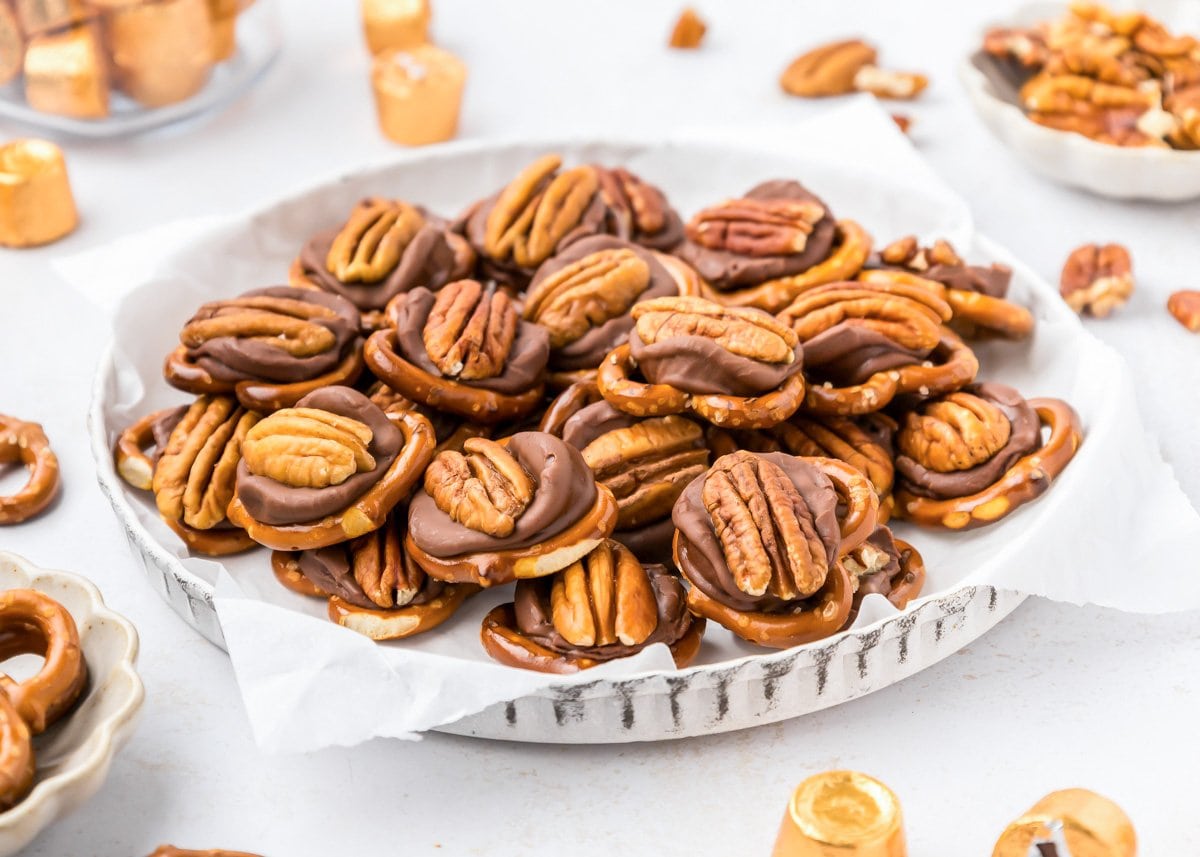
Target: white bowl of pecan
[(76, 710), (1095, 98)]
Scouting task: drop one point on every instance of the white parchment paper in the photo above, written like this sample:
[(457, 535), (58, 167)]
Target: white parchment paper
[(1114, 530)]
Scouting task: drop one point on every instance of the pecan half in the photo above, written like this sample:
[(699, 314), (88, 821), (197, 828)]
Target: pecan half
[(647, 466), (535, 211), (1097, 279), (756, 227), (640, 207), (766, 530), (603, 599), (745, 332), (1185, 306), (587, 293), (369, 246), (308, 448), (470, 331), (955, 433), (284, 323), (194, 478), (379, 566), (483, 487), (827, 70)]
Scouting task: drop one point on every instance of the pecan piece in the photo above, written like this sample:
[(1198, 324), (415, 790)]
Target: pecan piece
[(745, 332), (369, 246), (647, 466), (470, 331), (483, 487), (603, 599), (885, 83), (379, 566), (639, 207), (1185, 306), (689, 30), (828, 69), (1097, 279), (955, 433), (194, 478), (534, 212), (756, 227), (284, 323), (906, 252), (766, 530), (308, 448), (587, 293)]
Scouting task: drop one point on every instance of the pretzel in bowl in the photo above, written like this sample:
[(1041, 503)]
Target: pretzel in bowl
[(976, 293), (384, 248), (761, 537), (33, 623), (763, 249), (645, 461), (26, 443), (328, 470), (884, 565), (372, 586), (583, 297), (605, 605), (968, 459), (16, 755), (523, 507), (738, 368), (866, 343), (464, 351), (269, 347)]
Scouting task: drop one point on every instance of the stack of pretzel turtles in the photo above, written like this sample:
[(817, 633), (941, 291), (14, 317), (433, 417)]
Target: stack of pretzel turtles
[(641, 423)]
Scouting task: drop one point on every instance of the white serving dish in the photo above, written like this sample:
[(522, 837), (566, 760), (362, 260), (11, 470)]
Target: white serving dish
[(73, 757), (733, 686), (1164, 175)]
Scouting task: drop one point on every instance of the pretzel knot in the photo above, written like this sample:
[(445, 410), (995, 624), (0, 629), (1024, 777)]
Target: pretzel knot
[(33, 623), (26, 443)]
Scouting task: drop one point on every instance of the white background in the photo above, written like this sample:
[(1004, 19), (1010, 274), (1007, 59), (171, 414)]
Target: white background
[(1056, 696)]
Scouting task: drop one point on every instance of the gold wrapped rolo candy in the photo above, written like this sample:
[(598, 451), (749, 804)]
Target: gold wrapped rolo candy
[(161, 51), (418, 94), (1070, 823), (36, 206), (842, 813), (224, 15), (12, 44), (395, 24), (42, 16), (66, 73)]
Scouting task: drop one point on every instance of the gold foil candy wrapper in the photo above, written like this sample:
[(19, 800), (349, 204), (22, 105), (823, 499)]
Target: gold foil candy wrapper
[(12, 44), (43, 16), (36, 206), (66, 73), (161, 51), (418, 94), (1070, 823), (395, 24), (842, 813)]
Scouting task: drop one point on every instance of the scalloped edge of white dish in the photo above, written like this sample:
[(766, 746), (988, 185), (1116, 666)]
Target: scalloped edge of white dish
[(65, 790), (1160, 175)]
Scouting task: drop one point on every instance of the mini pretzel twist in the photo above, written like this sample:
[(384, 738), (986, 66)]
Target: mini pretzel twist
[(34, 623), (27, 444)]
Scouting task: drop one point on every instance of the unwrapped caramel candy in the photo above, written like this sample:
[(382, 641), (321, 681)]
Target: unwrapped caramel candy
[(161, 51), (844, 813), (42, 16), (395, 24), (36, 206), (418, 94), (12, 44), (66, 73), (1070, 823)]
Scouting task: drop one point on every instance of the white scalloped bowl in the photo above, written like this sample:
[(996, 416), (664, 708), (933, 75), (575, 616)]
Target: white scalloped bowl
[(1163, 175), (74, 755)]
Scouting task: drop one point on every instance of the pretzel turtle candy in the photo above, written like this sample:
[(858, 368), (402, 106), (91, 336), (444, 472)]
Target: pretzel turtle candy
[(130, 453), (604, 606), (887, 566), (999, 426), (26, 443), (34, 623), (462, 351), (268, 347), (280, 480), (16, 755), (761, 538)]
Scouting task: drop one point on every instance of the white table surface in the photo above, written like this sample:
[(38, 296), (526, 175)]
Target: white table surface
[(1057, 696)]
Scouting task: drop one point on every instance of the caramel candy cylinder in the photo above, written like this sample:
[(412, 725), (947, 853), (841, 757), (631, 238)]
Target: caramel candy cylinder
[(12, 44), (162, 51), (36, 206), (66, 73), (418, 94), (1087, 824), (395, 24), (842, 813), (42, 16)]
